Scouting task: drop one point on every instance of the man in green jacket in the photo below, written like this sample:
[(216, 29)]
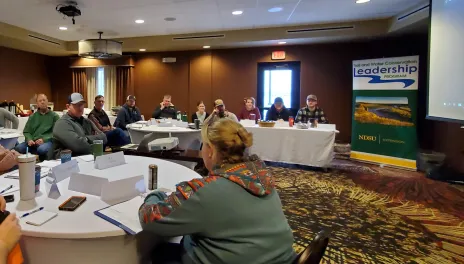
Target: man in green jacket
[(38, 132), (74, 132)]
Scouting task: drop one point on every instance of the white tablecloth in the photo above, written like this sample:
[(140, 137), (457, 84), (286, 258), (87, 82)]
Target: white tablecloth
[(80, 236), (188, 138), (311, 147)]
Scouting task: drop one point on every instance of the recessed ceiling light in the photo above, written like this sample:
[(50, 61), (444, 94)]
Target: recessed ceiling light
[(139, 21), (275, 9), (362, 1), (142, 49), (170, 19), (237, 12), (63, 28), (206, 47), (282, 42)]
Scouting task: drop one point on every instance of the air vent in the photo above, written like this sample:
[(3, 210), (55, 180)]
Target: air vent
[(200, 37), (43, 39), (306, 30), (412, 13)]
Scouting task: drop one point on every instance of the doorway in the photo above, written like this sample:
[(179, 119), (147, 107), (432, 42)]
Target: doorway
[(278, 79)]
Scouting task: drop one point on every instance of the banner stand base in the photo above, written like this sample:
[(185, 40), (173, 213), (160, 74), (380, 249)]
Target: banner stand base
[(383, 165)]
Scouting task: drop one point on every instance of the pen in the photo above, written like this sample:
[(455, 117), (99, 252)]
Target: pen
[(11, 186), (35, 211)]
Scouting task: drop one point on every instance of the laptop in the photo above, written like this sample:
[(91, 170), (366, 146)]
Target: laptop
[(143, 146)]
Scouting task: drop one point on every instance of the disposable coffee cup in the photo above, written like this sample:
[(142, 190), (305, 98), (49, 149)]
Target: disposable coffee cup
[(197, 124), (26, 177)]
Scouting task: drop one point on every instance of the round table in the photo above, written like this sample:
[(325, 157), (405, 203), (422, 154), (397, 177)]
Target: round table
[(188, 138), (81, 236)]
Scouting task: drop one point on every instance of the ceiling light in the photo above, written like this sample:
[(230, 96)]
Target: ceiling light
[(139, 21), (275, 9), (237, 12), (206, 47), (142, 49), (362, 1), (63, 28), (282, 42)]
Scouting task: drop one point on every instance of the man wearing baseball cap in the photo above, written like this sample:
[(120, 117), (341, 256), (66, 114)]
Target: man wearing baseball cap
[(278, 111), (74, 132), (128, 114), (311, 111), (221, 112)]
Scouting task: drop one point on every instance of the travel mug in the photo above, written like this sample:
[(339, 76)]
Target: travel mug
[(26, 177), (65, 155), (97, 148)]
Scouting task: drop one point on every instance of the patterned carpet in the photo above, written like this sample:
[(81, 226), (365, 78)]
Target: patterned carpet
[(375, 215)]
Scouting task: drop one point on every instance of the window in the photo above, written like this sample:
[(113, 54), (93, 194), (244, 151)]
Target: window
[(278, 80), (101, 81)]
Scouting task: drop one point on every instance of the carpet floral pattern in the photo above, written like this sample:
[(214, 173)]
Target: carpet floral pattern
[(366, 226)]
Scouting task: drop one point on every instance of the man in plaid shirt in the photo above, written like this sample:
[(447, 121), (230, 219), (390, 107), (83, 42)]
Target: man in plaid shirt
[(311, 111)]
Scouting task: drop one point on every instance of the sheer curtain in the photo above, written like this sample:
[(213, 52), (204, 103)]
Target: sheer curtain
[(110, 87), (91, 85)]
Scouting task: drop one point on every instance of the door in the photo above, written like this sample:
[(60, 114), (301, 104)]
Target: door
[(278, 79)]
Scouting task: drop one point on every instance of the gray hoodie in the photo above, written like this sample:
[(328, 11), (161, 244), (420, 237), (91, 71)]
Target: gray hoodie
[(6, 115), (233, 216), (75, 134)]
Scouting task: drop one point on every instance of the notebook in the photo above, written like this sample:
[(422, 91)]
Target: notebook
[(39, 218), (125, 215)]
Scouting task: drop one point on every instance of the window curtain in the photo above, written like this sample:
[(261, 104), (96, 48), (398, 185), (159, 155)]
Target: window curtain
[(110, 87), (124, 84), (79, 80), (91, 85)]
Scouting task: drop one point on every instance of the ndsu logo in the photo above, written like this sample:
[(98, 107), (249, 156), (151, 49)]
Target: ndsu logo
[(367, 138)]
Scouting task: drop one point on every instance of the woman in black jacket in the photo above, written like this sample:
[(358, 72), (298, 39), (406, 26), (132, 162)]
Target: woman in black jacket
[(200, 114)]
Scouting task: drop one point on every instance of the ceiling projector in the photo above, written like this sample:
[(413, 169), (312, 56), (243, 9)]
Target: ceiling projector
[(69, 10)]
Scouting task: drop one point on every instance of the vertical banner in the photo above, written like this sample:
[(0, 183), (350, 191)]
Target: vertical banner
[(385, 111)]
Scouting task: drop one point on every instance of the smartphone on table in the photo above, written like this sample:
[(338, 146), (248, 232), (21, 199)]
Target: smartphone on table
[(72, 203)]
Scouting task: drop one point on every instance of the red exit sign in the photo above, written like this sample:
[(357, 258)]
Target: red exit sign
[(278, 55)]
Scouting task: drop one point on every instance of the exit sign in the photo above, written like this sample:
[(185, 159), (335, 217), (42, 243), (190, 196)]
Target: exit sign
[(278, 55)]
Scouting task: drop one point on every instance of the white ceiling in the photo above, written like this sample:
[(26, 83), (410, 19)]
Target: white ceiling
[(116, 17)]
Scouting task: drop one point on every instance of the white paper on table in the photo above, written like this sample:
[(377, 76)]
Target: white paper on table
[(4, 186), (39, 218), (15, 174), (7, 135), (123, 190), (110, 160), (85, 158), (126, 213), (65, 170)]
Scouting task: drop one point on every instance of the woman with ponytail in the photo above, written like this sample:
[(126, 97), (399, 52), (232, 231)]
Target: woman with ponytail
[(232, 216)]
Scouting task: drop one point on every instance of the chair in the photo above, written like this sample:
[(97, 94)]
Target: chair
[(315, 251)]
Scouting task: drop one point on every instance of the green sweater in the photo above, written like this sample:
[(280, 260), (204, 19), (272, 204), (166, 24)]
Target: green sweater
[(40, 126), (233, 216)]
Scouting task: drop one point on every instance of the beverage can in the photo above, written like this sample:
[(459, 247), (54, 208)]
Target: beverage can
[(152, 177), (291, 121), (37, 178)]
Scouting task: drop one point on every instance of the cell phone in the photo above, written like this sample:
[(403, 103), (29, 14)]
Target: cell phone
[(9, 198), (72, 203)]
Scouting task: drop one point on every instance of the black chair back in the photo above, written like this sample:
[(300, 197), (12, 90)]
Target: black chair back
[(315, 251)]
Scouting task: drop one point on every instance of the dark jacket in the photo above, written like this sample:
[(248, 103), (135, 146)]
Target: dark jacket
[(100, 119), (273, 114), (194, 116), (167, 112), (75, 134), (127, 115), (232, 216)]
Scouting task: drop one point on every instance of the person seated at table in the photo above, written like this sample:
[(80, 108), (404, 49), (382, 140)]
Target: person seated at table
[(278, 111), (311, 111), (201, 113), (115, 135), (8, 159), (166, 109), (128, 114), (38, 132), (10, 233), (74, 132), (234, 215), (221, 112), (250, 109), (5, 116)]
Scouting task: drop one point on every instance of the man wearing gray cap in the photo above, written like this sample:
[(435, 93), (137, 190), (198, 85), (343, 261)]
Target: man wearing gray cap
[(311, 111), (74, 132)]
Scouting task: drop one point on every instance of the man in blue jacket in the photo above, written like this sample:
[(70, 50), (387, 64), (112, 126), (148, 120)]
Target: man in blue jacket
[(128, 114)]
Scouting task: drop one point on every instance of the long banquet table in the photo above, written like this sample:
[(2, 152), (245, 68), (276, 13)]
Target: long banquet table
[(310, 147)]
